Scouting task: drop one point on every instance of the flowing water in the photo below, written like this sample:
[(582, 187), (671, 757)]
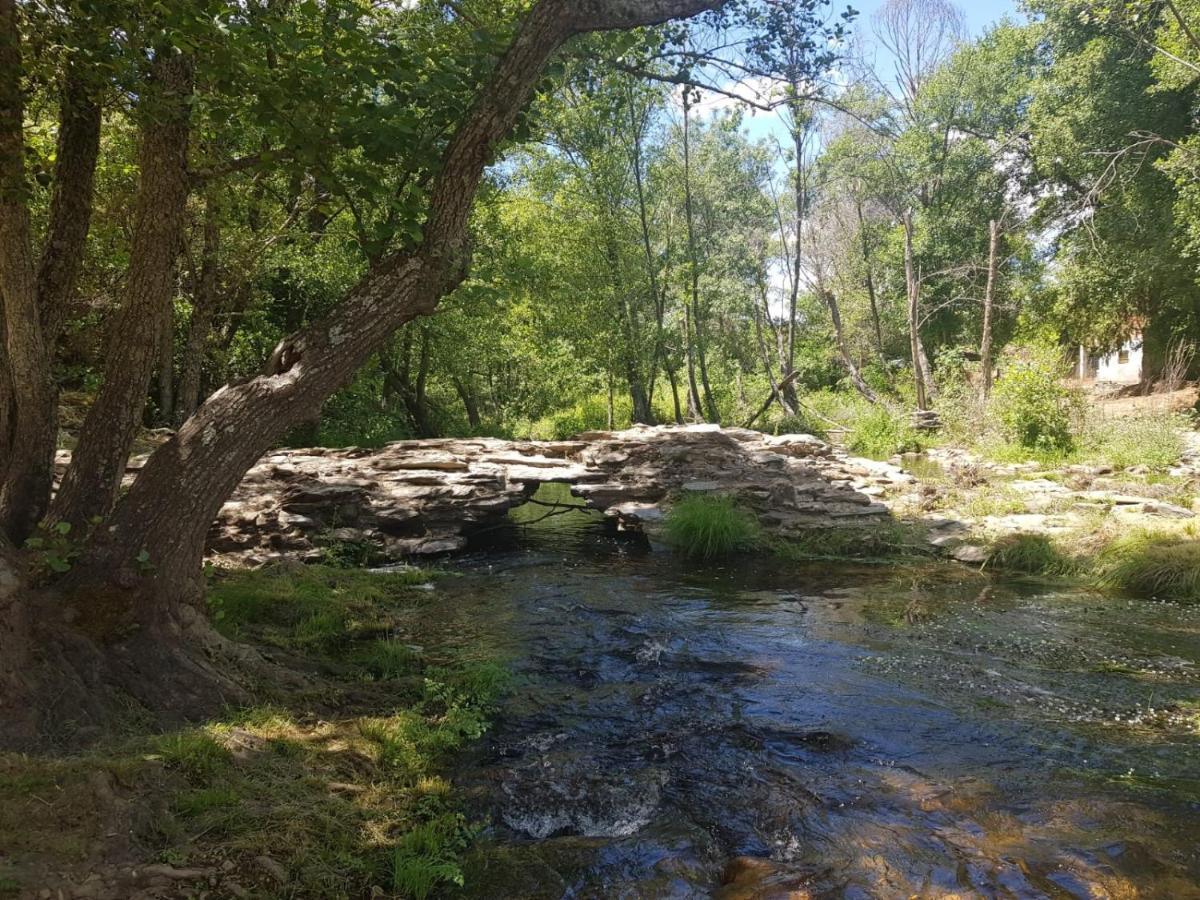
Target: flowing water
[(760, 729)]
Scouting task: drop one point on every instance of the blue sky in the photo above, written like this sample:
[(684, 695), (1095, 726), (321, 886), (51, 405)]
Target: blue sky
[(979, 14)]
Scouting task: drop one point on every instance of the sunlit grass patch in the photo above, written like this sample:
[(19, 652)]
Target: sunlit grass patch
[(1156, 565), (706, 526), (310, 607), (326, 790), (1028, 554)]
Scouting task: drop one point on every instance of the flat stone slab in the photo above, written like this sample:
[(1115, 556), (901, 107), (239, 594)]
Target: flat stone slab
[(414, 498)]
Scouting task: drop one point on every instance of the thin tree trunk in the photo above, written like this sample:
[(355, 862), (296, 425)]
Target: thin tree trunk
[(660, 304), (93, 479), (835, 314), (870, 277), (466, 393), (671, 377), (697, 321), (693, 394), (205, 301), (630, 333), (989, 296), (913, 290)]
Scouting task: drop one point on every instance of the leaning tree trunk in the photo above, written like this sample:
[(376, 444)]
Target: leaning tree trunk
[(835, 314), (168, 509), (93, 479), (135, 590)]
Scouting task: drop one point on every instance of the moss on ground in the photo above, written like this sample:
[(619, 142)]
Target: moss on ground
[(333, 793)]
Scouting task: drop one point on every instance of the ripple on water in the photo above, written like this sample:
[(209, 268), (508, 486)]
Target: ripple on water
[(748, 730)]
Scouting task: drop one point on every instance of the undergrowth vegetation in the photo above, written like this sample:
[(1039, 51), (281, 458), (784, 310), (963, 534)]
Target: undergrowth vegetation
[(708, 526), (1029, 554), (334, 791), (1153, 565)]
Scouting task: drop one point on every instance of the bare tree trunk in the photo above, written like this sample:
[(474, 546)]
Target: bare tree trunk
[(989, 296), (32, 423), (205, 301), (90, 486), (913, 289), (659, 300)]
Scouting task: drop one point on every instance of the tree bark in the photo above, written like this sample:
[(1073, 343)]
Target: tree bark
[(71, 199), (205, 302), (989, 296), (166, 372), (93, 479), (31, 419), (465, 389)]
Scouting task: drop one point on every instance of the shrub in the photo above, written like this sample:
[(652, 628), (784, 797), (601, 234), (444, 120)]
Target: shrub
[(706, 526), (1028, 554), (1155, 565), (881, 431), (1033, 407), (589, 414)]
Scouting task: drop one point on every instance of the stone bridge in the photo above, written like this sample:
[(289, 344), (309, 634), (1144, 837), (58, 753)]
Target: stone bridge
[(427, 497)]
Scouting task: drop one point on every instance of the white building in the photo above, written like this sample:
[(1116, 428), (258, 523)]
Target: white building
[(1121, 366)]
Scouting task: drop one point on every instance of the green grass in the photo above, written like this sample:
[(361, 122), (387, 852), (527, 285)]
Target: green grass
[(310, 608), (1153, 565), (194, 753), (706, 526), (343, 800), (1149, 440), (389, 658), (1028, 554), (429, 856), (881, 431)]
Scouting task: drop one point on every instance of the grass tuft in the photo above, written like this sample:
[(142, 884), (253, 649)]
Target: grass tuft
[(1028, 554), (197, 754), (1155, 565), (707, 526)]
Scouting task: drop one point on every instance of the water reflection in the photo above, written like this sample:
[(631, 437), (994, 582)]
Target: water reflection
[(761, 730)]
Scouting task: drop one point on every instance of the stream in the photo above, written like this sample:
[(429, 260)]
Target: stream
[(756, 729)]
